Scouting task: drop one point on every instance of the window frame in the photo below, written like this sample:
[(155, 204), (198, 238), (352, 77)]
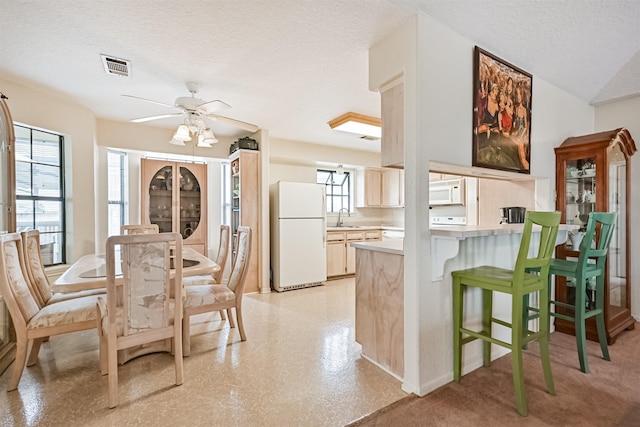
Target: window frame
[(331, 185), (123, 189), (34, 199)]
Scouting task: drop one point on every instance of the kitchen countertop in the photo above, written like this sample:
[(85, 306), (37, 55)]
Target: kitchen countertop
[(395, 247), (364, 227), (464, 231)]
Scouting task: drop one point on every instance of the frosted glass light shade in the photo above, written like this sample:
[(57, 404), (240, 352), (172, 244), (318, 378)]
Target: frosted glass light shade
[(182, 133), (208, 136)]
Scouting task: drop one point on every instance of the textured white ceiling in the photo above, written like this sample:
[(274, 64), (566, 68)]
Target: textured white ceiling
[(290, 66)]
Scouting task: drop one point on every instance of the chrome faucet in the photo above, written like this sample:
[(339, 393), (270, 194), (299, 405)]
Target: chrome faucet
[(340, 220)]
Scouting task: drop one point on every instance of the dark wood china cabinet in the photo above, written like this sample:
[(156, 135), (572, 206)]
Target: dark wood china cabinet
[(593, 175)]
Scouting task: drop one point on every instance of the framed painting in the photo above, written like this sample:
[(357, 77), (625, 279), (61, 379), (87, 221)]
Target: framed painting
[(501, 114)]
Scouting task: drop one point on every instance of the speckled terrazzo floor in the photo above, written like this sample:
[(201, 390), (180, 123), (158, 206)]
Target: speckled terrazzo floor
[(300, 366)]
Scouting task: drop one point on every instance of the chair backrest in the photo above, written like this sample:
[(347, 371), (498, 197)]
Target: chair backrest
[(144, 292), (241, 263), (139, 229), (223, 252), (35, 267), (549, 223), (14, 285), (599, 227)]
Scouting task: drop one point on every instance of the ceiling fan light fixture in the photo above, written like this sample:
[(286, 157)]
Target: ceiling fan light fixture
[(358, 124), (208, 136), (182, 133), (203, 143), (177, 142)]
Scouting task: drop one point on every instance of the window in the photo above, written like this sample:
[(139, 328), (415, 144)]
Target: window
[(116, 182), (338, 186), (40, 202), (226, 193)]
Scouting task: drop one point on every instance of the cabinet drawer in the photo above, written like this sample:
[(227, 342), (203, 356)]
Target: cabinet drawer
[(355, 235), (332, 237), (373, 235)]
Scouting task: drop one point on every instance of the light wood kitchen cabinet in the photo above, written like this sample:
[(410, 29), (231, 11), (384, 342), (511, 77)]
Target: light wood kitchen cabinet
[(392, 188), (336, 258), (593, 175), (369, 184), (392, 123), (341, 257), (380, 188), (174, 196), (245, 209)]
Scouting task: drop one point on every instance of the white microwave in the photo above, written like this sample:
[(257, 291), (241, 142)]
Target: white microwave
[(448, 192)]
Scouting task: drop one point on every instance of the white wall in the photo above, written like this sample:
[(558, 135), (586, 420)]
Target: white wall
[(626, 113), (437, 65)]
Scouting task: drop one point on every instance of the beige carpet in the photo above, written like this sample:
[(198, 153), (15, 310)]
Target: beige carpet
[(608, 396)]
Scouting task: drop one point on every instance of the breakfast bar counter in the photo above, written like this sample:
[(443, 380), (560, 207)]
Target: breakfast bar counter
[(445, 242), (379, 304)]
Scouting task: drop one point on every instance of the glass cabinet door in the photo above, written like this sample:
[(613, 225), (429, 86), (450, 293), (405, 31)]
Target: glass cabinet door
[(161, 199), (617, 258), (189, 203), (580, 194)]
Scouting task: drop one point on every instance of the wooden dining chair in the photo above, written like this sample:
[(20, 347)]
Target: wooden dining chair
[(33, 322), (517, 283), (591, 264), (139, 229), (142, 306), (221, 259), (214, 297), (38, 278)]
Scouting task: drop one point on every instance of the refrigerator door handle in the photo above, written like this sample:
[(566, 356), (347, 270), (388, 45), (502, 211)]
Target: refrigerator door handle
[(324, 220)]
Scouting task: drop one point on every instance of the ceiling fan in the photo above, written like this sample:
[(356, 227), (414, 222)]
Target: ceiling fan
[(195, 109)]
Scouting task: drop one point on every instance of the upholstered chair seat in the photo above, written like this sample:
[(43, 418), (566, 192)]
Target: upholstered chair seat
[(68, 312), (205, 295)]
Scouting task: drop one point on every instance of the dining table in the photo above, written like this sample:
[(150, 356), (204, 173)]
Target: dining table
[(90, 271)]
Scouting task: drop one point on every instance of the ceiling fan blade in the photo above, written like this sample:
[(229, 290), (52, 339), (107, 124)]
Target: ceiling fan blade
[(233, 122), (213, 106), (150, 100), (162, 116)]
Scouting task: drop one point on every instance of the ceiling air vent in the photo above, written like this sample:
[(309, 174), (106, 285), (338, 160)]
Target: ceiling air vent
[(370, 138), (116, 66)]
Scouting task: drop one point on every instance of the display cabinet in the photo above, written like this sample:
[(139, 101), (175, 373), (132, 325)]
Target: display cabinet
[(593, 175), (7, 222), (245, 209), (174, 196)]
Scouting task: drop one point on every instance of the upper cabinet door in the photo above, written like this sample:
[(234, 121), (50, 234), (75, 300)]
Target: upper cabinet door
[(392, 121)]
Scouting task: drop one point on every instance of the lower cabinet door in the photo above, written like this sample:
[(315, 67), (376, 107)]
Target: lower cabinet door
[(335, 259)]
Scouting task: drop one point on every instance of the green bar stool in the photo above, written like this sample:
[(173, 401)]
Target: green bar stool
[(580, 274), (517, 283)]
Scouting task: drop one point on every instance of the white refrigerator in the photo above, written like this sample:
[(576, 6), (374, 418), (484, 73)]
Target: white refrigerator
[(298, 240)]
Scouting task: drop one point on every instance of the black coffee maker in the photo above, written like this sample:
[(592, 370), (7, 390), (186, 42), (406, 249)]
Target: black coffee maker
[(512, 215)]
